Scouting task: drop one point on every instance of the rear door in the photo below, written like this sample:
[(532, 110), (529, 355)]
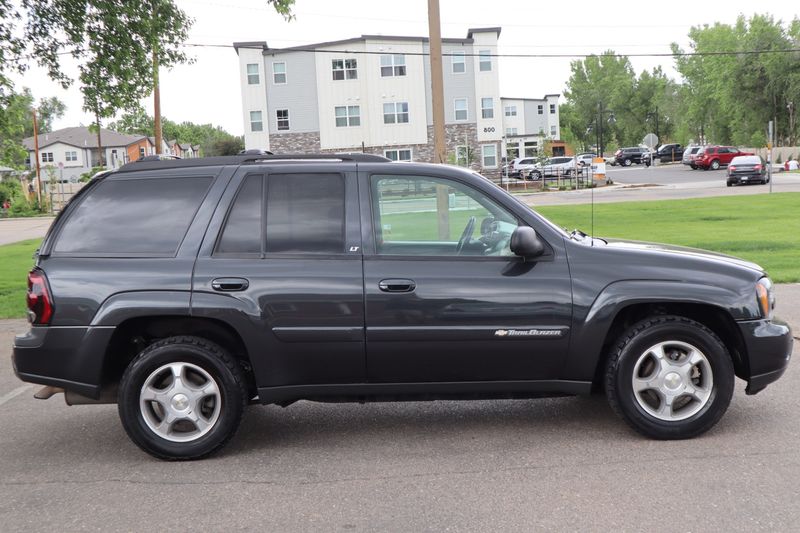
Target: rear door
[(281, 261)]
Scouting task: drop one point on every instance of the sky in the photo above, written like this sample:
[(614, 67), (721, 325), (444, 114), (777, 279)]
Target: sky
[(208, 90)]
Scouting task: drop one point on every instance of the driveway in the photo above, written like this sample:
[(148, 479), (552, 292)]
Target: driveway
[(20, 229), (524, 465)]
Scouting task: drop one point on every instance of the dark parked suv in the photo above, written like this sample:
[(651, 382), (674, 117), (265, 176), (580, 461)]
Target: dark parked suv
[(627, 156), (184, 290)]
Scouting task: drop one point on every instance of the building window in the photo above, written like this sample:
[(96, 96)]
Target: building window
[(531, 147), (252, 74), (256, 121), (395, 112), (462, 156), (458, 62), (73, 156), (541, 109), (511, 111), (398, 155), (283, 118), (47, 157), (485, 60), (344, 69), (141, 151), (489, 155), (552, 109), (553, 131), (393, 65), (279, 73), (487, 108), (511, 131), (460, 105), (512, 152), (347, 115)]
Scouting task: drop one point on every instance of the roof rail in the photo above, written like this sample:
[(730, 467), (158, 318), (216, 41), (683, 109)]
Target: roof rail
[(248, 158)]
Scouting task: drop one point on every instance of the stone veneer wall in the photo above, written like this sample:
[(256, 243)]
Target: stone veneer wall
[(294, 143), (455, 134)]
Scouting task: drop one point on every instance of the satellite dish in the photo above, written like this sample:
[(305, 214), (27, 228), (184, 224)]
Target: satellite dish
[(651, 140)]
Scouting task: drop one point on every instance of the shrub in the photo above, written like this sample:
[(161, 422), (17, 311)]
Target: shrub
[(86, 176)]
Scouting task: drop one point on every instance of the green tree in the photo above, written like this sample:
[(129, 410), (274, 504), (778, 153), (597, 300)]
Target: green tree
[(116, 43), (730, 98), (17, 124)]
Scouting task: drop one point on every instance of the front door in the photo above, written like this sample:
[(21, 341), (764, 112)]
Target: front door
[(446, 299)]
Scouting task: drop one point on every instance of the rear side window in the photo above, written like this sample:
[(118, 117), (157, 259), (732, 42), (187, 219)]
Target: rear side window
[(133, 216), (243, 230), (305, 213)]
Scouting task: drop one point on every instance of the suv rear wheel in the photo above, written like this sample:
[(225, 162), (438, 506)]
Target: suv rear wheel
[(670, 378), (182, 398), (627, 162), (715, 164)]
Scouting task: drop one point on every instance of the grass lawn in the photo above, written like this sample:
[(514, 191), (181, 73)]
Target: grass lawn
[(762, 228), (16, 261)]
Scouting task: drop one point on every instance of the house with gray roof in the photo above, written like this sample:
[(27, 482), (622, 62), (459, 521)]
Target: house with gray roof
[(73, 151)]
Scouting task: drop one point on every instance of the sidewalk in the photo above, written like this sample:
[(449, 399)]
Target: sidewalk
[(22, 229), (787, 305)]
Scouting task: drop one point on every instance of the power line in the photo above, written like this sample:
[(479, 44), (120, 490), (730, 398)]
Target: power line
[(530, 56)]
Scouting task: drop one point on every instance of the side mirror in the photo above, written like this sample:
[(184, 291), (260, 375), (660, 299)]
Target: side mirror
[(525, 243)]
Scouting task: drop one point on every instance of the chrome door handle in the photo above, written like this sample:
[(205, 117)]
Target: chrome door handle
[(397, 285), (229, 284)]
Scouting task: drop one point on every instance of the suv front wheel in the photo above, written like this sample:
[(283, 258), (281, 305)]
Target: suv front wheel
[(670, 377), (182, 398)]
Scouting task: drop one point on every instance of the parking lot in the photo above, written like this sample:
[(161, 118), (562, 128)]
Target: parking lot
[(563, 463)]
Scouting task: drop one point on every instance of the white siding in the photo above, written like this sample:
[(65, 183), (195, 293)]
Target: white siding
[(254, 98), (487, 85)]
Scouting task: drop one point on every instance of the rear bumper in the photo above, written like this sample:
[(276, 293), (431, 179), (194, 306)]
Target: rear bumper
[(67, 357), (769, 350), (746, 178)]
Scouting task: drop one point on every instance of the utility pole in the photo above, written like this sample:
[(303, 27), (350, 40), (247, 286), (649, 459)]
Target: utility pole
[(437, 103), (156, 89), (437, 82), (36, 155)]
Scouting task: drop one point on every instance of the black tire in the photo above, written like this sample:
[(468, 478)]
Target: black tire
[(636, 341), (211, 358), (627, 162), (535, 175), (715, 165), (730, 184)]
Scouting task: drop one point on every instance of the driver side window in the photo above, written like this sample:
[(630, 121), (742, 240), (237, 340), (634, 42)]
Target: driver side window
[(425, 216)]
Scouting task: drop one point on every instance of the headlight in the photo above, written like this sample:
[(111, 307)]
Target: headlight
[(765, 297)]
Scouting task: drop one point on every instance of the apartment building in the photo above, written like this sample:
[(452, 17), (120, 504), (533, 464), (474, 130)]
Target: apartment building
[(373, 93)]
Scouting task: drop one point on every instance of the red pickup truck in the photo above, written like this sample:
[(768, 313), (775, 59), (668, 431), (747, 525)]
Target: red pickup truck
[(714, 157)]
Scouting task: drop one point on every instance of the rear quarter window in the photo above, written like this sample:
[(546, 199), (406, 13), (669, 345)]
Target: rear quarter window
[(144, 216)]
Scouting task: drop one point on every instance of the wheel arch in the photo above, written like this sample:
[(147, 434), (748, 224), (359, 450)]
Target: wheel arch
[(622, 304), (134, 334), (713, 317)]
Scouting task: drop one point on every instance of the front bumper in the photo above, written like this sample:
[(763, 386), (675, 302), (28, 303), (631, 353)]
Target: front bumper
[(769, 349), (67, 357)]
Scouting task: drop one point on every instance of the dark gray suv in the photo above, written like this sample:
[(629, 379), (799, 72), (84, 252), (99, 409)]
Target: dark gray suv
[(185, 290)]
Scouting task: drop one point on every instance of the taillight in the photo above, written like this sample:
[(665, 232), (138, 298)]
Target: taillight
[(732, 168), (758, 167), (40, 303)]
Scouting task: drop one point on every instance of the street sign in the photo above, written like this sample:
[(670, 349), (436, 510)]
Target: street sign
[(651, 140), (61, 165)]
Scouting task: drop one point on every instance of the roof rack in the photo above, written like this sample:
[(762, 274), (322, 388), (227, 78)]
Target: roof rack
[(249, 158)]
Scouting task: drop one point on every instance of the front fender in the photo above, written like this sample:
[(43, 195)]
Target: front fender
[(591, 325)]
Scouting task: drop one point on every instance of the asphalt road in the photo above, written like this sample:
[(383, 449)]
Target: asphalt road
[(550, 464), (20, 229), (665, 182)]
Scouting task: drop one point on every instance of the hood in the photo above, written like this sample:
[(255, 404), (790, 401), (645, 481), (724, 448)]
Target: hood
[(682, 251)]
